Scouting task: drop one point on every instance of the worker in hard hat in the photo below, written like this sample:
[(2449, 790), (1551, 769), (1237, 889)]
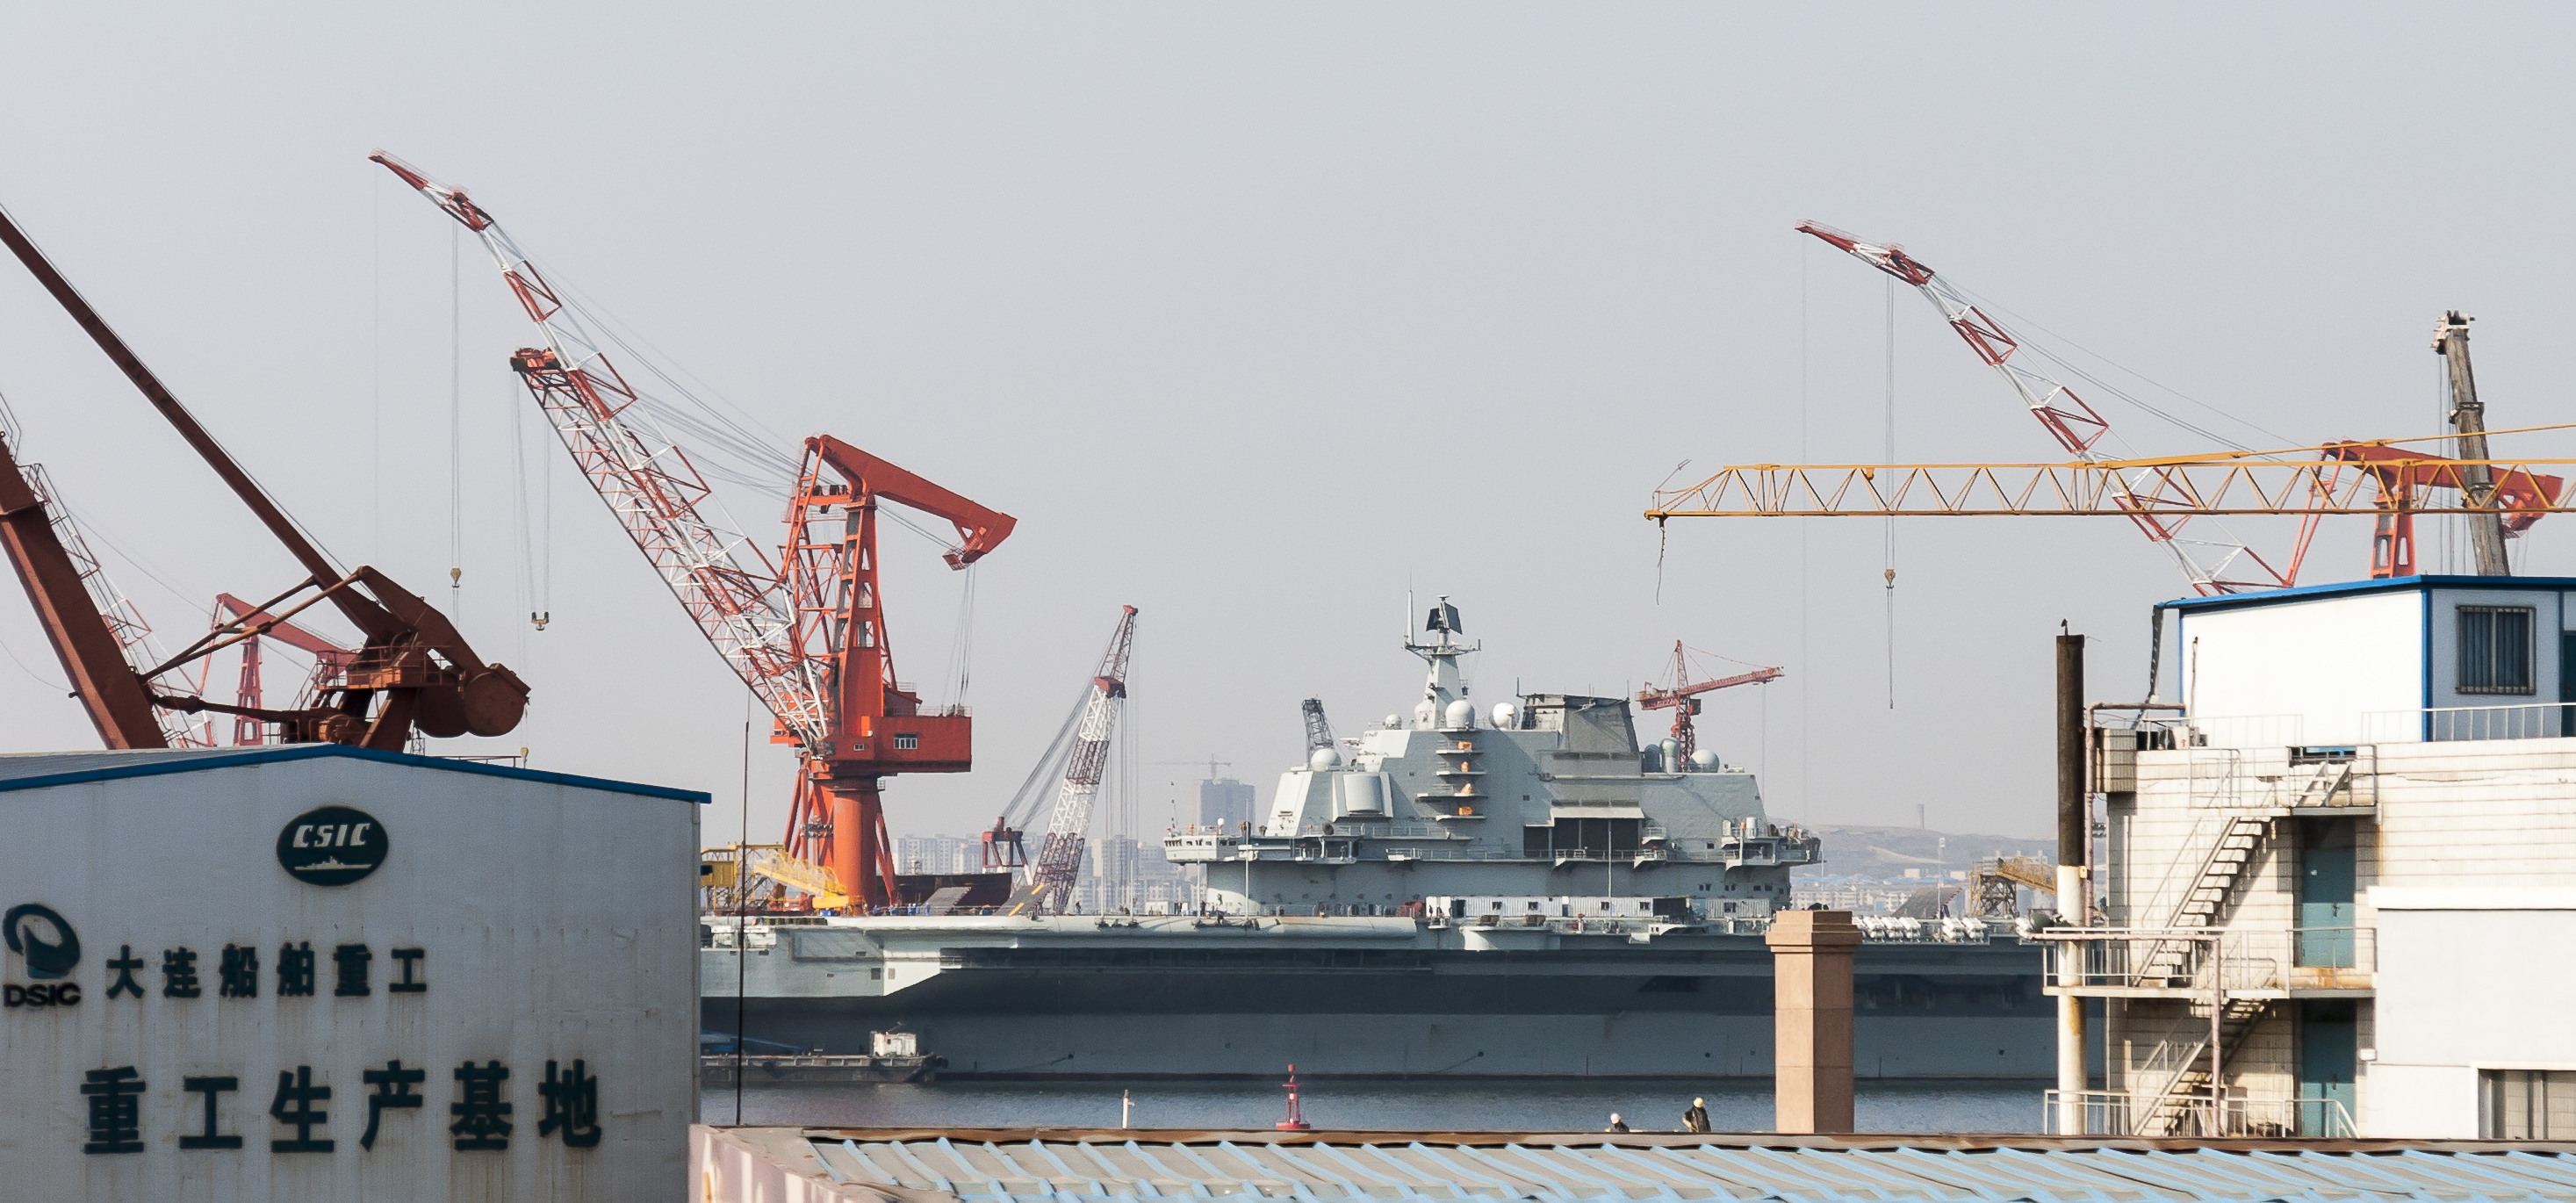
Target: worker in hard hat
[(1616, 1124), (1696, 1119)]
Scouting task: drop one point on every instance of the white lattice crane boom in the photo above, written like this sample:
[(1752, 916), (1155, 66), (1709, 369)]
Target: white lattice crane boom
[(1059, 860)]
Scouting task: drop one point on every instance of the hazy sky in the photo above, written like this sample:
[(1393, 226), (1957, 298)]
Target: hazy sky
[(1258, 316)]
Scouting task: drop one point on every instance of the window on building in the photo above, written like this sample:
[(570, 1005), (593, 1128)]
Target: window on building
[(907, 741), (2527, 1104), (2495, 649)]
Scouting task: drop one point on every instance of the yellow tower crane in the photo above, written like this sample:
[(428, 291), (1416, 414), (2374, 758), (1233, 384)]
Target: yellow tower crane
[(2378, 478)]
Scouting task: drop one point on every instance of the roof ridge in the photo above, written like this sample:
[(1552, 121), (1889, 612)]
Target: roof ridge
[(153, 762)]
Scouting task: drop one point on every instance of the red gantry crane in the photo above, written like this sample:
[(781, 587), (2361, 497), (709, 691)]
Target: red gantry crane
[(807, 635), (415, 671), (1682, 698)]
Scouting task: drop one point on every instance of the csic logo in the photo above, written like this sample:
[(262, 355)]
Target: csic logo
[(50, 948), (332, 846)]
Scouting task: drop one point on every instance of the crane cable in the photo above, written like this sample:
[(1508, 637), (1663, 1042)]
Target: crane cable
[(532, 588), (2115, 391), (961, 649), (726, 441), (1890, 428), (455, 426), (1023, 804)]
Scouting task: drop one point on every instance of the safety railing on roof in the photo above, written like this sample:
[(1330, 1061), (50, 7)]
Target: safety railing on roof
[(2197, 1115), (2529, 720)]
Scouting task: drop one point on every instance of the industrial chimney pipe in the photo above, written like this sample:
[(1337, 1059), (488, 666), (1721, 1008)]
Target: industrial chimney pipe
[(2074, 894)]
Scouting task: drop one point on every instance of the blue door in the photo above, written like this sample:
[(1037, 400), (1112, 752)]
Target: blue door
[(2329, 1048), (2325, 893)]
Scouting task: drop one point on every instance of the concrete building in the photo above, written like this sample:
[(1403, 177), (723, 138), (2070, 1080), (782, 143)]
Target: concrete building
[(1225, 803), (2491, 1059), (938, 854), (317, 972), (2338, 870)]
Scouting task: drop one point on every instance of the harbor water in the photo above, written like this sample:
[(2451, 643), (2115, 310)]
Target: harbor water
[(1498, 1105)]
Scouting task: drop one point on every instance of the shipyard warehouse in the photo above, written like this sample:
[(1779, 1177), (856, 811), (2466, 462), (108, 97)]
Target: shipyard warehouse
[(319, 972)]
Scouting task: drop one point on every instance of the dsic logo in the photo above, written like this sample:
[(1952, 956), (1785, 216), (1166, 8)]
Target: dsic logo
[(50, 948), (332, 846)]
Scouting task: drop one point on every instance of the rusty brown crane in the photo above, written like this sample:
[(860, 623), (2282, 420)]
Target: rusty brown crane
[(414, 670)]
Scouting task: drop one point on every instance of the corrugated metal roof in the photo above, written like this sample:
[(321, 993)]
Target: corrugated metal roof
[(37, 770), (1061, 1166)]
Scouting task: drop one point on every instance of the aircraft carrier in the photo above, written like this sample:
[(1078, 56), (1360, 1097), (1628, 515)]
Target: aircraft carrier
[(1518, 892)]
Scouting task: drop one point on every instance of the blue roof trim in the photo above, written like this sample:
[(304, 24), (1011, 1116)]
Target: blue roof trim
[(156, 766), (2230, 601)]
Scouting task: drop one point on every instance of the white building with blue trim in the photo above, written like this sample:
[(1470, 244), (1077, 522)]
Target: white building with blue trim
[(2336, 862), (2380, 662)]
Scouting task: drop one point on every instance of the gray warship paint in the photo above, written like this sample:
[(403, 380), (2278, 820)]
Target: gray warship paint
[(510, 917), (1092, 996), (1364, 990)]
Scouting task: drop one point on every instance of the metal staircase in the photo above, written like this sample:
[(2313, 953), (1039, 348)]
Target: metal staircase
[(2205, 900), (2188, 1089), (2326, 780), (2239, 843)]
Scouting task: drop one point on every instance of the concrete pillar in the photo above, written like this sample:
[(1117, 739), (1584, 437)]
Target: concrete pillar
[(1811, 1016)]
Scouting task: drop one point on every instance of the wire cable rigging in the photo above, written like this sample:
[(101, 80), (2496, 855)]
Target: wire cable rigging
[(1889, 428), (455, 426)]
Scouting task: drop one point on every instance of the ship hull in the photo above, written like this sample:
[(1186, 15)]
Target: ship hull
[(1922, 1011)]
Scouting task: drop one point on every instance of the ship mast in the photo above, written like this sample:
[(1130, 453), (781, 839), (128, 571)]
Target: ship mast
[(1444, 685)]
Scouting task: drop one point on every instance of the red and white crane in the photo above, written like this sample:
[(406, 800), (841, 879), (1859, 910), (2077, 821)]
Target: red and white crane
[(1059, 859), (1682, 698), (2160, 498), (806, 634), (2212, 565)]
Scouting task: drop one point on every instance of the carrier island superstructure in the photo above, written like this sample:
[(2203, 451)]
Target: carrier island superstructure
[(1546, 804), (1521, 891)]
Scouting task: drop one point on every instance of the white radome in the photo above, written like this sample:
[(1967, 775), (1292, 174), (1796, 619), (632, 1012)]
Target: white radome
[(1506, 716), (1462, 713), (1324, 759)]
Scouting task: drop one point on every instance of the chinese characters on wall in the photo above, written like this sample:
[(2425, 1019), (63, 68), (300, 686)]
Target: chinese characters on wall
[(481, 1117)]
